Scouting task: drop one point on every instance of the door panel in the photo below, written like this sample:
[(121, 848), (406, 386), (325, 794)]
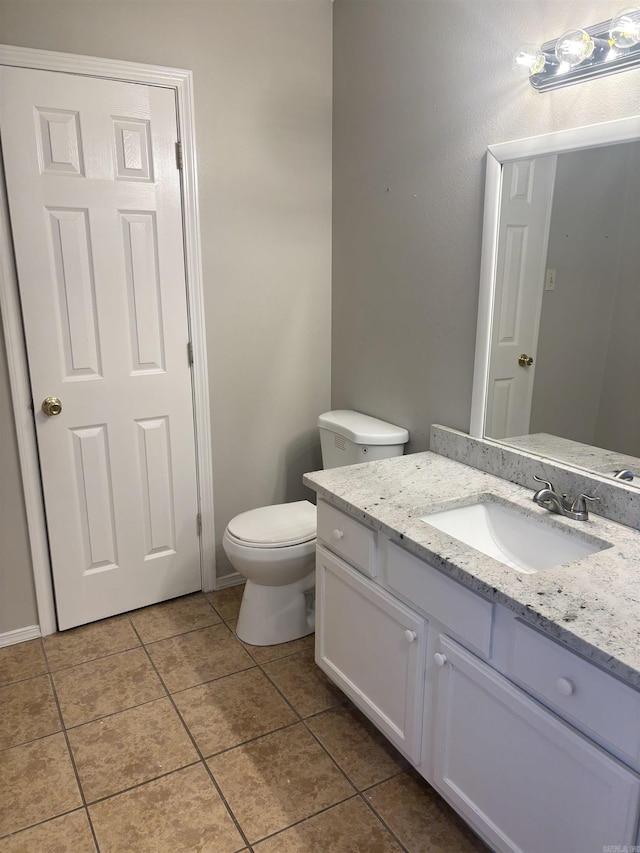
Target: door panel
[(95, 205), (525, 779), (140, 249), (384, 675)]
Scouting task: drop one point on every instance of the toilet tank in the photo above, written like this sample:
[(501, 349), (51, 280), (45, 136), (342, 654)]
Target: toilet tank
[(348, 437)]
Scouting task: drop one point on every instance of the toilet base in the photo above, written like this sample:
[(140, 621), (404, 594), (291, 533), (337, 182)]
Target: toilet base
[(275, 614)]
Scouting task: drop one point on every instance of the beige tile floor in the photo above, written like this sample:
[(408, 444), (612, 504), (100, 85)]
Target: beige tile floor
[(159, 732)]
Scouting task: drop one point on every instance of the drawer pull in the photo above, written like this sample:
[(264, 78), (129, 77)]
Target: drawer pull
[(440, 659), (565, 686), (410, 635), (338, 534)]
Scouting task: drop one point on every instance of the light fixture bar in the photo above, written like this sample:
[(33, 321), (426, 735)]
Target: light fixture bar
[(602, 62)]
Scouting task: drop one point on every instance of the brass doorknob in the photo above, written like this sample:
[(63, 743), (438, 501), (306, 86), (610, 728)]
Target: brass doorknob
[(525, 360), (51, 406)]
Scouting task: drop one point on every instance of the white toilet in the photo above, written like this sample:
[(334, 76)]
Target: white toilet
[(273, 547)]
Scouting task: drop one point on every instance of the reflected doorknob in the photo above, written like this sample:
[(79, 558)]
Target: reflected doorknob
[(525, 360), (51, 406)]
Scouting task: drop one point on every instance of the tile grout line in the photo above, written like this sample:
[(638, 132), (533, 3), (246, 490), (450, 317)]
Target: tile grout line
[(137, 785), (64, 668), (357, 791), (29, 677), (230, 625), (178, 634), (371, 808), (39, 737), (43, 822), (202, 760), (114, 713), (256, 664), (250, 740), (300, 719), (71, 758), (110, 713), (302, 820), (130, 648)]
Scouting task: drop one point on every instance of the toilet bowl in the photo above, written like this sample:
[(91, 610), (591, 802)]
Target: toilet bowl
[(273, 547)]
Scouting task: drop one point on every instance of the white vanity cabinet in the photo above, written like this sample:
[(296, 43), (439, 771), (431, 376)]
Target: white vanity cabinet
[(508, 725), (524, 778), (373, 648)]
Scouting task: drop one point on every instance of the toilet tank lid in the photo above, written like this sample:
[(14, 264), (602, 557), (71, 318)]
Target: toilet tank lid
[(277, 525), (362, 429)]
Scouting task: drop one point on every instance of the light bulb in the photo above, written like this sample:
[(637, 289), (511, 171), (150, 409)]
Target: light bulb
[(625, 27), (574, 47), (529, 59)]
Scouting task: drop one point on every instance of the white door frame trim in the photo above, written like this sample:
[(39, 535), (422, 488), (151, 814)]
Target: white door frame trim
[(181, 81)]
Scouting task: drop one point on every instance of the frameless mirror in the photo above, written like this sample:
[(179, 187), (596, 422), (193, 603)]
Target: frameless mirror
[(557, 369)]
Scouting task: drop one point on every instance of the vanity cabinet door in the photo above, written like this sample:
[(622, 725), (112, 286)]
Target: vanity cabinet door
[(373, 648), (526, 780)]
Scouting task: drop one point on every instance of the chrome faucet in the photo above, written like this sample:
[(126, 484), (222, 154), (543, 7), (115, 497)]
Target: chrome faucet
[(562, 505)]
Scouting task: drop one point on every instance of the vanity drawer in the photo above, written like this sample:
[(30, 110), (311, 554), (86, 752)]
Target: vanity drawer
[(462, 612), (592, 699), (348, 538)]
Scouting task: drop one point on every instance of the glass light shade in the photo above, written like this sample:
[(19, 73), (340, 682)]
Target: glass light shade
[(528, 59), (574, 47), (625, 27)]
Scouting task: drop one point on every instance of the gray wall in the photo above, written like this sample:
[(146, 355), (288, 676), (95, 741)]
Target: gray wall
[(585, 248), (421, 87), (262, 78), (17, 594), (619, 419)]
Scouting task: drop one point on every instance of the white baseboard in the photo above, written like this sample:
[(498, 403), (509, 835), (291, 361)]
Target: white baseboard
[(229, 580), (20, 635)]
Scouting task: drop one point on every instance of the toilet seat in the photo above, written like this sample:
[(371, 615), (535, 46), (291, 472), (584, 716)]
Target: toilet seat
[(279, 526)]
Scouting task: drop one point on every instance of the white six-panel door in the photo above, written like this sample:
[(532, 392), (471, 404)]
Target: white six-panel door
[(95, 205)]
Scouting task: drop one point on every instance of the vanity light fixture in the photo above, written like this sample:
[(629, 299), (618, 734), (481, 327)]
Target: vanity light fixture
[(581, 54)]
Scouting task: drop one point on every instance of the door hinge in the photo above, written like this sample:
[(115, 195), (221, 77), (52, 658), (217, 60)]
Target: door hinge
[(179, 155), (199, 523), (190, 353)]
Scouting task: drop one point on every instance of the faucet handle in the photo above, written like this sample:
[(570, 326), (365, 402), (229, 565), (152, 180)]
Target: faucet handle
[(623, 475), (547, 484), (580, 505)]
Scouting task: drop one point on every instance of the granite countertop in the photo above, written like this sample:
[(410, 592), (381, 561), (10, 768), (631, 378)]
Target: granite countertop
[(592, 605), (574, 453)]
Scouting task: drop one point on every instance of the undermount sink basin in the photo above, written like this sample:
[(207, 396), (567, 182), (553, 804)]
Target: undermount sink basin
[(521, 541)]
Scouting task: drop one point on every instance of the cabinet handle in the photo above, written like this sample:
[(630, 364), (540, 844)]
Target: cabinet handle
[(565, 686), (410, 635), (440, 659), (338, 534)]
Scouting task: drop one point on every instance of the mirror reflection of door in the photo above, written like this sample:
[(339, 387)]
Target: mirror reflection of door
[(585, 406), (525, 213)]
